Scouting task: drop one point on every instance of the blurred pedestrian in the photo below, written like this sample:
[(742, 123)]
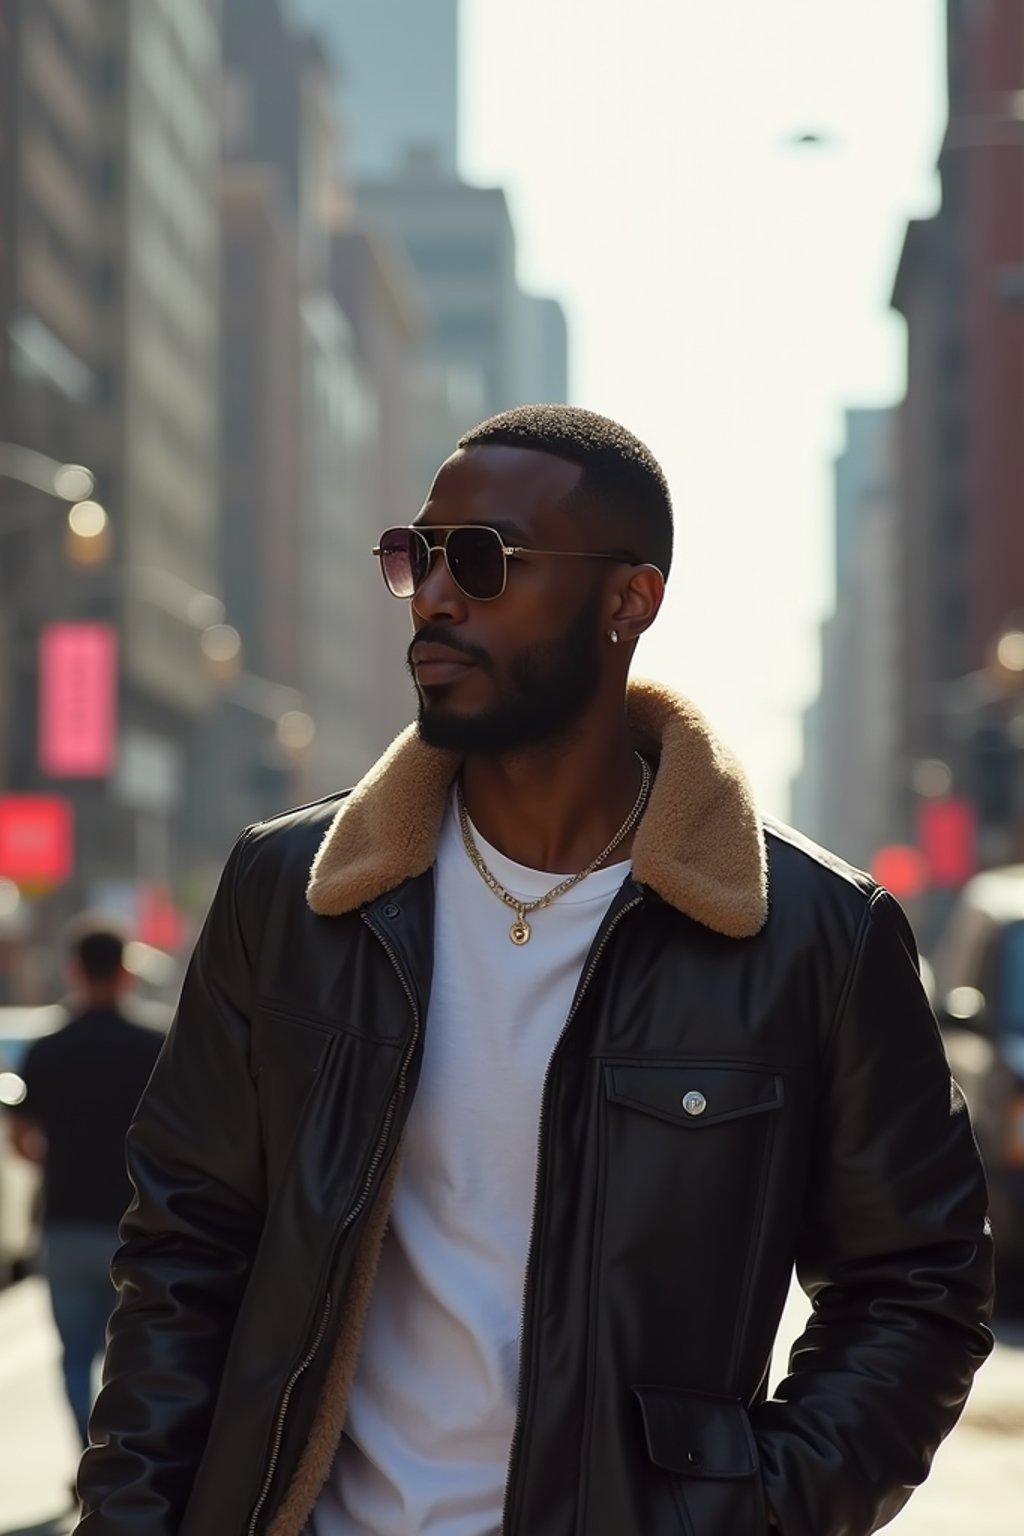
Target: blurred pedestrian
[(505, 1091), (83, 1083)]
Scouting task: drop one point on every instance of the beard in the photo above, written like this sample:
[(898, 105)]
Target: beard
[(548, 687)]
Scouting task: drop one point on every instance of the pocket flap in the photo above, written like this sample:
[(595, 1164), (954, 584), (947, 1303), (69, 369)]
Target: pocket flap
[(695, 1434), (694, 1096)]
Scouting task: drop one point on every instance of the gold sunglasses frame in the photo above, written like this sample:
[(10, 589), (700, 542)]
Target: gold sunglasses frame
[(508, 551)]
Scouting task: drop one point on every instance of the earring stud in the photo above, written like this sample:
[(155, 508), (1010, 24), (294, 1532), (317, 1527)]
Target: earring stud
[(613, 636)]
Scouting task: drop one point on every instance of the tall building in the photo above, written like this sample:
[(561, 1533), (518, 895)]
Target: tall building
[(994, 92), (50, 226), (321, 325), (486, 345), (261, 393), (350, 686), (372, 283), (960, 287), (51, 244), (460, 243), (159, 308), (112, 320), (545, 350), (847, 794), (396, 63)]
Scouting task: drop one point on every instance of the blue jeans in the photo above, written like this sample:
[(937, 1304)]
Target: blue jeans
[(77, 1262)]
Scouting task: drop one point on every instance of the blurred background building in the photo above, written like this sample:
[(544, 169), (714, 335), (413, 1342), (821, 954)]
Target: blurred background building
[(111, 325), (845, 796), (396, 64), (914, 750), (396, 78), (243, 286)]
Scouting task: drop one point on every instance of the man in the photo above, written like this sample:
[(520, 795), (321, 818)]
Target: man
[(505, 1091), (83, 1084)]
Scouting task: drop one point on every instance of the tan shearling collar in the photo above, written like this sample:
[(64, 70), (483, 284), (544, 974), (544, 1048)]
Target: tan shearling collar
[(700, 845)]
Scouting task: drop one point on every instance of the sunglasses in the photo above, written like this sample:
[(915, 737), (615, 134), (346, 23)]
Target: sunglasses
[(476, 556)]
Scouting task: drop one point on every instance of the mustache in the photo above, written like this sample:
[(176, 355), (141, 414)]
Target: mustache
[(437, 634)]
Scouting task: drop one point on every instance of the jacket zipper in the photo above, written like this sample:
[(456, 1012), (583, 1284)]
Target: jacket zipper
[(506, 1519), (375, 1162), (282, 1413)]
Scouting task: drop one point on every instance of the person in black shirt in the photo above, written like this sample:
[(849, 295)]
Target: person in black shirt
[(83, 1084)]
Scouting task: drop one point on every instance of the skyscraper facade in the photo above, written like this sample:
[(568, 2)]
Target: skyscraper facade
[(397, 65), (847, 793), (110, 293), (486, 345)]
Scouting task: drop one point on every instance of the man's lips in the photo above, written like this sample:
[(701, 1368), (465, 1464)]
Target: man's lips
[(439, 664)]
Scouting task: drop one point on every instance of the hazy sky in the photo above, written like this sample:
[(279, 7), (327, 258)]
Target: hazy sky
[(727, 294)]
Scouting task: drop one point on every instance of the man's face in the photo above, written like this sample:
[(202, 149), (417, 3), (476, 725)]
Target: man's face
[(498, 676)]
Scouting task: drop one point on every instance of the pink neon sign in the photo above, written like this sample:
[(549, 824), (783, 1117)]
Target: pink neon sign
[(78, 700)]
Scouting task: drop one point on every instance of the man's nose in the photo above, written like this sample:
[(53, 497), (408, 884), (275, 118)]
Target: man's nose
[(437, 597)]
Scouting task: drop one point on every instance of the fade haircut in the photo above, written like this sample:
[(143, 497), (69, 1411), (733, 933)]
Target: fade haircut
[(621, 483)]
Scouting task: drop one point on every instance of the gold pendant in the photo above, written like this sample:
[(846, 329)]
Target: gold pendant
[(519, 933)]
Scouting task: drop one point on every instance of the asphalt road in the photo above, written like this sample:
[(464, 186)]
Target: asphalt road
[(976, 1487)]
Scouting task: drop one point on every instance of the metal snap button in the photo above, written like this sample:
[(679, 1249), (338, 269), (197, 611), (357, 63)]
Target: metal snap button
[(391, 910), (694, 1102)]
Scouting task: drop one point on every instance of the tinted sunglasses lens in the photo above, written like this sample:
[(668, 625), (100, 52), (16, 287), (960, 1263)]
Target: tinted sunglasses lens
[(476, 560), (403, 560)]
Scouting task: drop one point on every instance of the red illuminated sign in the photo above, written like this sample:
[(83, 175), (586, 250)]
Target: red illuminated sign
[(78, 700), (946, 833), (159, 921), (37, 834), (901, 869)]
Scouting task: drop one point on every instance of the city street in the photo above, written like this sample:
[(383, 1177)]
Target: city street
[(977, 1488)]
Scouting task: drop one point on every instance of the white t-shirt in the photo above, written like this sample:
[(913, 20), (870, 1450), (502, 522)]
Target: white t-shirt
[(433, 1406)]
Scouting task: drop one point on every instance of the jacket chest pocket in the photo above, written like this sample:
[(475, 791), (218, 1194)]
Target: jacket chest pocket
[(686, 1157), (694, 1097)]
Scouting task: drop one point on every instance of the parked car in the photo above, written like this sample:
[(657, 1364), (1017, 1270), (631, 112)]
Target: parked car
[(20, 1181), (979, 972)]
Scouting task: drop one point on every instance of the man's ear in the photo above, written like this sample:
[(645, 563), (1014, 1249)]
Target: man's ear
[(636, 600)]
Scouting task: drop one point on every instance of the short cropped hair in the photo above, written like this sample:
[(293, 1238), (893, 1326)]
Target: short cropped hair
[(622, 482), (97, 944)]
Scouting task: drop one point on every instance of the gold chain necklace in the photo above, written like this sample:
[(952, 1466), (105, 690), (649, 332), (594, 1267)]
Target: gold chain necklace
[(519, 932)]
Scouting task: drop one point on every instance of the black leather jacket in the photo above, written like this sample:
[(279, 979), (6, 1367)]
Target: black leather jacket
[(828, 1132)]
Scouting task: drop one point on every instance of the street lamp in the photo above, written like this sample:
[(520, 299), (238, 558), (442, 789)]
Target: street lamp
[(221, 645), (281, 704), (88, 526), (1009, 658), (87, 539), (68, 482), (295, 731)]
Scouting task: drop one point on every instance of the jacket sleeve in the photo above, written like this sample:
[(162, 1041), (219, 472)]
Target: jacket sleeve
[(895, 1255), (195, 1160)]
